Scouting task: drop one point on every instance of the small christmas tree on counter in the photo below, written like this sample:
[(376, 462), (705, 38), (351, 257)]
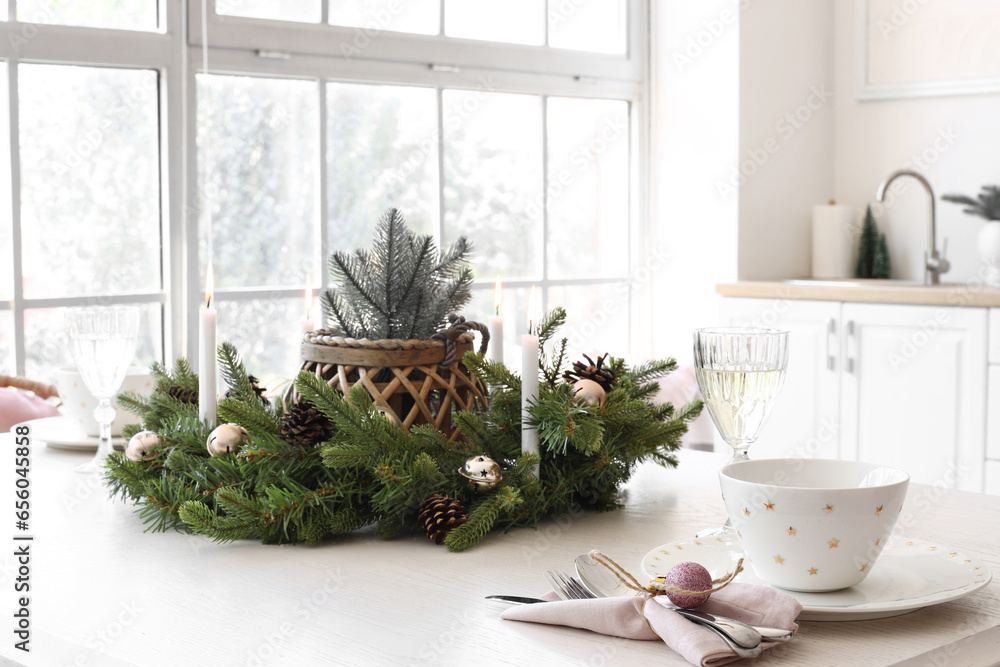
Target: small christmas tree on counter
[(881, 264), (873, 250)]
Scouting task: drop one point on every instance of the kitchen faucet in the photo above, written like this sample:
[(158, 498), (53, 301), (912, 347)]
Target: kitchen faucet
[(934, 264)]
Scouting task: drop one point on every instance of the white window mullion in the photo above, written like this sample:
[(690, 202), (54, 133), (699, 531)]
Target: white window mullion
[(15, 213), (440, 156), (545, 195), (195, 198), (324, 166)]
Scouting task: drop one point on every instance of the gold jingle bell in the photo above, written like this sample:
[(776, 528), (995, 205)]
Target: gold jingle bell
[(482, 472), (227, 438)]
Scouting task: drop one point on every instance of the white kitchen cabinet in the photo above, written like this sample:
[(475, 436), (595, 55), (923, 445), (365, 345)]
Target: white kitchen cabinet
[(902, 385), (912, 390), (805, 416)]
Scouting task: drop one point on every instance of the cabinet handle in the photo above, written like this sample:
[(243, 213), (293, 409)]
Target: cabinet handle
[(831, 330), (851, 351)]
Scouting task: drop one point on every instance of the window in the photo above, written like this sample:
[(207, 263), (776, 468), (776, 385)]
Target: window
[(515, 124)]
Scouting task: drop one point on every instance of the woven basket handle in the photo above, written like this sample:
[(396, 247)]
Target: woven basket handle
[(39, 389), (458, 325)]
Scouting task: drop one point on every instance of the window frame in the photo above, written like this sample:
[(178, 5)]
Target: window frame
[(281, 49), (259, 47), (162, 51)]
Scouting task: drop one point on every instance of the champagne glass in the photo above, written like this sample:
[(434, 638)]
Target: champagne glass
[(103, 342), (740, 372)]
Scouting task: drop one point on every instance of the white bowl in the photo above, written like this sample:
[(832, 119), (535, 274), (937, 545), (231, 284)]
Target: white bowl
[(812, 524), (78, 405)]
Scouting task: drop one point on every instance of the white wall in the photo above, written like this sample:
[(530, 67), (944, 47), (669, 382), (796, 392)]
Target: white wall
[(786, 146), (694, 123), (952, 140)]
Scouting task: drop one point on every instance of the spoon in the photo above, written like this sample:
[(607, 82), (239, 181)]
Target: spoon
[(602, 583)]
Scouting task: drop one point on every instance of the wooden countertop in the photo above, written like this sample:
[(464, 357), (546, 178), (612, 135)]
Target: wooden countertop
[(867, 291), (103, 592)]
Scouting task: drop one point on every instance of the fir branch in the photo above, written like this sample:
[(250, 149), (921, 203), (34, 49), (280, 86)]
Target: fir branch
[(481, 519), (551, 322)]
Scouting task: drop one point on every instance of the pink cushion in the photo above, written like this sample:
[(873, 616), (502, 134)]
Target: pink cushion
[(17, 406)]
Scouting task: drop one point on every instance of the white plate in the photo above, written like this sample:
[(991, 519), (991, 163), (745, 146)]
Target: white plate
[(62, 433), (909, 575)]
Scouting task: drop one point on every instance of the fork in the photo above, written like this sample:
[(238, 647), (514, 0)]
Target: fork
[(568, 588)]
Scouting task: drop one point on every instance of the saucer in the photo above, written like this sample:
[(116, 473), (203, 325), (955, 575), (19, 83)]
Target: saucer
[(909, 575), (61, 433)]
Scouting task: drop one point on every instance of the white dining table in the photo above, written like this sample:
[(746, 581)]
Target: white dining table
[(104, 592)]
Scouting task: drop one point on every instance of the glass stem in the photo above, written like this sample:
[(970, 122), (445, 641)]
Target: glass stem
[(739, 453), (104, 414)]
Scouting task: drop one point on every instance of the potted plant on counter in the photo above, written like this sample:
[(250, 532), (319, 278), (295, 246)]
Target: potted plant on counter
[(986, 206)]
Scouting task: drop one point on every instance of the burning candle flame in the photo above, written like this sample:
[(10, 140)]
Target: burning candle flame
[(209, 286), (309, 294), (533, 315), (497, 296)]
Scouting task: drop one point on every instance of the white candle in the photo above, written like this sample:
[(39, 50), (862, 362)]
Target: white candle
[(496, 326), (207, 399), (307, 323), (529, 378)]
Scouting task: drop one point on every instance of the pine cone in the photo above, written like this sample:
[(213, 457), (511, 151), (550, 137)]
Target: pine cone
[(305, 426), (592, 371), (439, 515), (183, 394), (257, 389)]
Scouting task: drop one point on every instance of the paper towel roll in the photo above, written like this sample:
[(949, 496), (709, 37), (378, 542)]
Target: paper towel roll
[(833, 241)]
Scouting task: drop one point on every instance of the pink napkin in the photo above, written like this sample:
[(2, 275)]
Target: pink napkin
[(17, 406), (622, 617)]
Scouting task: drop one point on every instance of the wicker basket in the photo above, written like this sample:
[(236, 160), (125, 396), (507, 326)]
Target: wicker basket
[(405, 376)]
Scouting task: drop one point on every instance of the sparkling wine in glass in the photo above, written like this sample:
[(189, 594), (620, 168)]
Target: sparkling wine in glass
[(740, 372), (102, 341)]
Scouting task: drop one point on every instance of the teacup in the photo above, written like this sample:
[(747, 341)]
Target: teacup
[(78, 405), (812, 524)]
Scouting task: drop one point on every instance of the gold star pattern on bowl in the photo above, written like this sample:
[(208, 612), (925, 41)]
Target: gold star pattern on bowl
[(834, 543), (769, 505), (813, 570), (746, 512), (791, 531), (878, 541), (779, 560), (878, 510), (828, 509), (863, 567)]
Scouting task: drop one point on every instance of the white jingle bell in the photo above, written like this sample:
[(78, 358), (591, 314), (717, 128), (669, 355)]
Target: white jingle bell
[(227, 438), (482, 472), (142, 446), (590, 393), (389, 415)]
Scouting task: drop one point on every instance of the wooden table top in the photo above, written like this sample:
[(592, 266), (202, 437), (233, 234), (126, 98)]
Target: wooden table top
[(105, 593)]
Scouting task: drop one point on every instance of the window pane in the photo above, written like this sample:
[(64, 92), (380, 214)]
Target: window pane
[(267, 333), (6, 237), (588, 187), (417, 16), (90, 194), (513, 309), (122, 14), (6, 343), (262, 138), (588, 25), (513, 21), (597, 318), (382, 152), (46, 347), (306, 11), (493, 179)]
